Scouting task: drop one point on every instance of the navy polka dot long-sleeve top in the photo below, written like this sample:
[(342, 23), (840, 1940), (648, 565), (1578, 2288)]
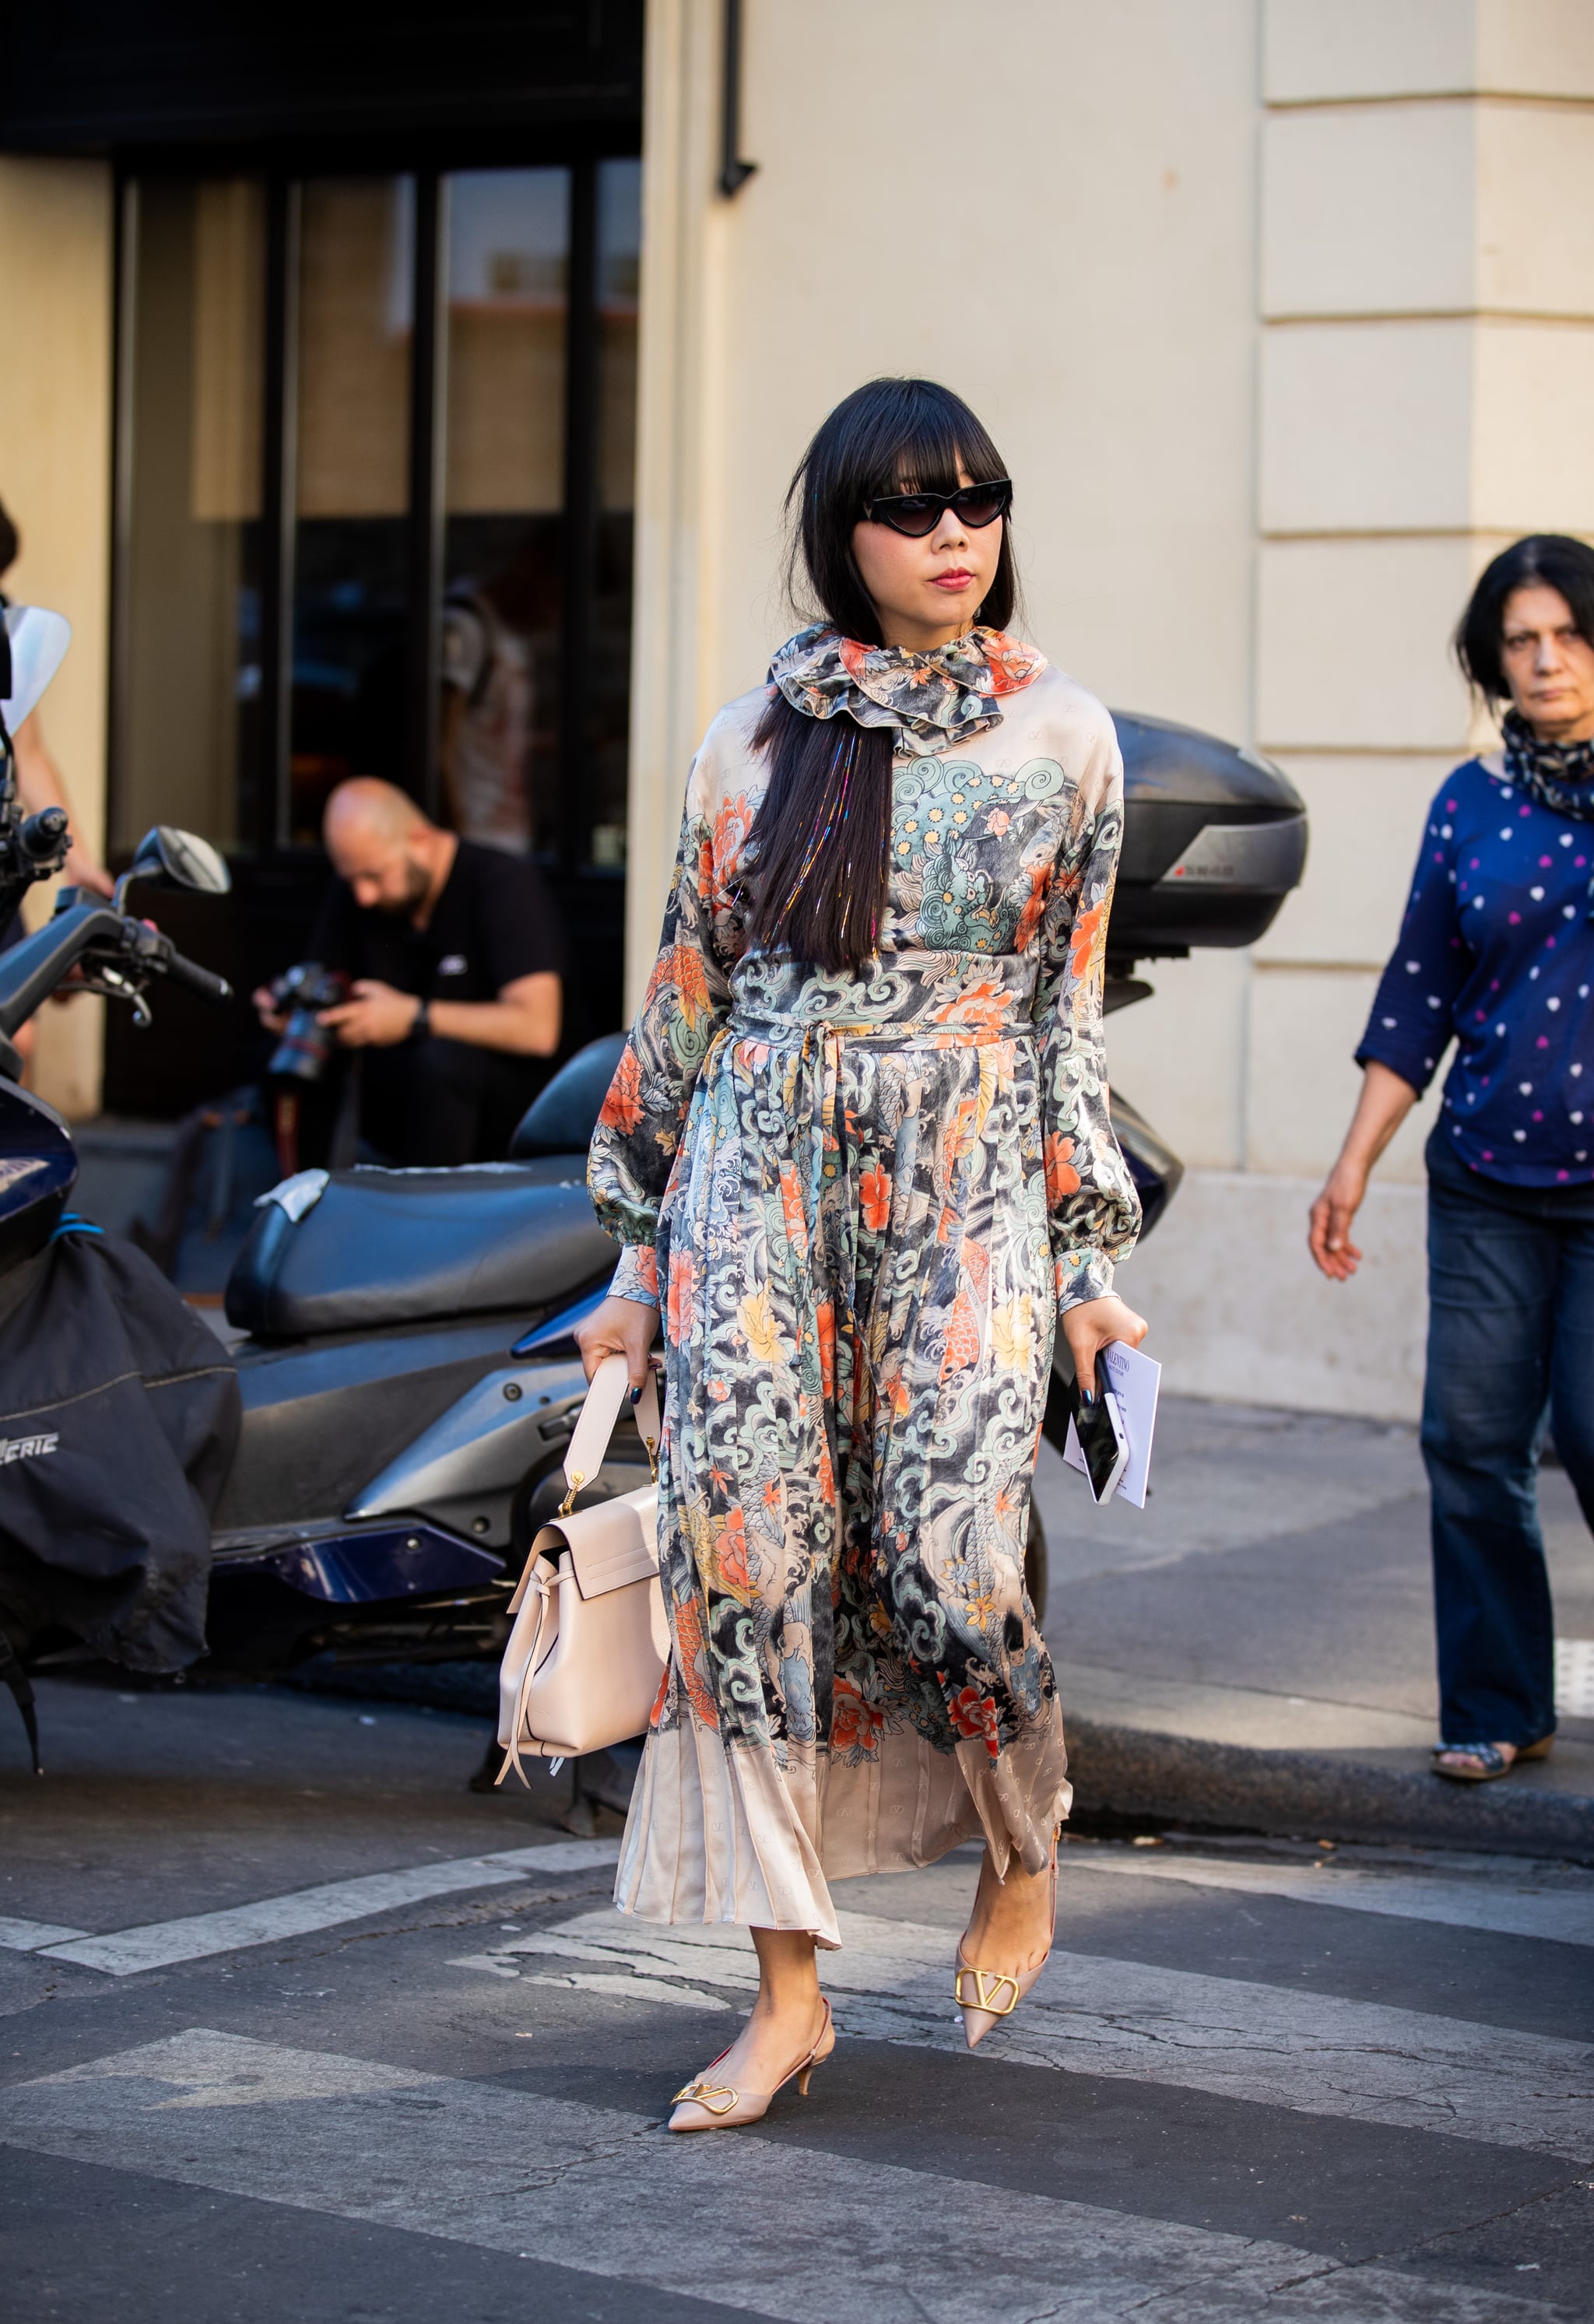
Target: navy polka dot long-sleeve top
[(1497, 948)]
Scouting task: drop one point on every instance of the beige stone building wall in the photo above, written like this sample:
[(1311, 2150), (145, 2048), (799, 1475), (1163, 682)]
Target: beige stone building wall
[(1282, 315), (1425, 294)]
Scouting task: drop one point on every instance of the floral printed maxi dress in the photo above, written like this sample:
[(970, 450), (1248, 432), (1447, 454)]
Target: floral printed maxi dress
[(863, 1202)]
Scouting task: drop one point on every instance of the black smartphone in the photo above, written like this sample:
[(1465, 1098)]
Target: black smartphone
[(1099, 1425)]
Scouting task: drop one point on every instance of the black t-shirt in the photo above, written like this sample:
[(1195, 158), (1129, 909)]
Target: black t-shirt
[(493, 923)]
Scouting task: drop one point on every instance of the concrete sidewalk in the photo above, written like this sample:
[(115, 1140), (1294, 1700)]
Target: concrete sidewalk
[(1255, 1649)]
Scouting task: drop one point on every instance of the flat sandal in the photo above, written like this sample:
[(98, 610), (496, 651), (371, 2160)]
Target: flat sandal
[(1492, 1762)]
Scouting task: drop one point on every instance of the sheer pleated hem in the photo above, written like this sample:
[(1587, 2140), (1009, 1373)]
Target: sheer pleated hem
[(718, 1834), (906, 1804), (1022, 1795)]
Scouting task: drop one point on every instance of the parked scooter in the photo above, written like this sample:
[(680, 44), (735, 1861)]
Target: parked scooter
[(408, 1372)]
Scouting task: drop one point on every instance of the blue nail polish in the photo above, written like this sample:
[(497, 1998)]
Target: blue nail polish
[(1087, 1396)]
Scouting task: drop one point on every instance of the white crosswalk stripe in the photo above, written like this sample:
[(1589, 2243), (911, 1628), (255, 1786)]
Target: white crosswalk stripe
[(1511, 1907), (33, 1936), (793, 2233), (1314, 2053), (160, 1945)]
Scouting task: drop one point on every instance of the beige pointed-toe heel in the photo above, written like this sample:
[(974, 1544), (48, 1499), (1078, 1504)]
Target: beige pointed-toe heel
[(707, 2105), (997, 1992)]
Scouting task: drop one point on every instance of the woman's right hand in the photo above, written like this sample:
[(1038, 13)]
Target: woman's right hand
[(620, 1327), (1385, 1101), (1329, 1237)]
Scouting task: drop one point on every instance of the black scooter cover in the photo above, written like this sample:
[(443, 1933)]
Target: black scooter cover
[(119, 1415)]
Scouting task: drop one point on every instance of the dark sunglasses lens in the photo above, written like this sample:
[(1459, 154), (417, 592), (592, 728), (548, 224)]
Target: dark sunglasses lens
[(982, 504), (914, 514)]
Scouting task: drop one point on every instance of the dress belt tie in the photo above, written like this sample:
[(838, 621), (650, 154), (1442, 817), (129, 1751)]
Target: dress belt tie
[(814, 1116)]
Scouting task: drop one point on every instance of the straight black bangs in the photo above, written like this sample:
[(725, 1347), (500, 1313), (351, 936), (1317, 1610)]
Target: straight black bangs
[(898, 436), (930, 453)]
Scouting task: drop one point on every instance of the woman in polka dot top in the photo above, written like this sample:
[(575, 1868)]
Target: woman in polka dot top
[(1496, 953)]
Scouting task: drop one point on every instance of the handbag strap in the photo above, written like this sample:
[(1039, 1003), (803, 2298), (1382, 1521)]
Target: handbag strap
[(594, 1426)]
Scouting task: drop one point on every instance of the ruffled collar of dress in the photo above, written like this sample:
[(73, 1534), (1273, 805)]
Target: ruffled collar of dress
[(933, 698)]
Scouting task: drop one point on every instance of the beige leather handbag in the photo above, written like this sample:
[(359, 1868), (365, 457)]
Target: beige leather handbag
[(588, 1651)]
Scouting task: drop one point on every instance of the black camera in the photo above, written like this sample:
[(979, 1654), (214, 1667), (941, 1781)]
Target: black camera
[(306, 1044)]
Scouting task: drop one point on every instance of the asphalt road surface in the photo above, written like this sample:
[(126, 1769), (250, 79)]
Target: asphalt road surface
[(294, 2027)]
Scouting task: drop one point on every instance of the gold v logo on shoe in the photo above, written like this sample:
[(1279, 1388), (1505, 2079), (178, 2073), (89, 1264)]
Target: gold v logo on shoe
[(987, 1984), (712, 2096)]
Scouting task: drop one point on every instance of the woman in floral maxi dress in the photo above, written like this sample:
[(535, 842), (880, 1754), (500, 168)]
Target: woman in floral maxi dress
[(863, 1194)]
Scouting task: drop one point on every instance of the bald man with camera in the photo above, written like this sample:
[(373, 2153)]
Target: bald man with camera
[(453, 963)]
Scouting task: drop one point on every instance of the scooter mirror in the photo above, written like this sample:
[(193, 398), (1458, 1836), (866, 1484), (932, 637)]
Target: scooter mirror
[(181, 857), (38, 642)]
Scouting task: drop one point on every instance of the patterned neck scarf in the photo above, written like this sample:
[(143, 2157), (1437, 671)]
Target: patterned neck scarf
[(932, 698), (1559, 775)]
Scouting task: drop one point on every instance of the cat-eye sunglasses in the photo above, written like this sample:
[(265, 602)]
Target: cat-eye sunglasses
[(918, 514)]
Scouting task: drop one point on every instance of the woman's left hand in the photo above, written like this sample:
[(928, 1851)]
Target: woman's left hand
[(1089, 1327)]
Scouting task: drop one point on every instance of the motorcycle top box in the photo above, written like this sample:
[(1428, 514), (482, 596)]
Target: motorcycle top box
[(1215, 839)]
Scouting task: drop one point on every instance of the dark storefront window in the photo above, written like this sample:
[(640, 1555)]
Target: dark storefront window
[(508, 240), (193, 400), (374, 449), (351, 496)]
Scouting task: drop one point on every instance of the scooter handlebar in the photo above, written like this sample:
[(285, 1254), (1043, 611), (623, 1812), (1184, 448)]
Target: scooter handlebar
[(30, 971), (202, 980), (108, 943)]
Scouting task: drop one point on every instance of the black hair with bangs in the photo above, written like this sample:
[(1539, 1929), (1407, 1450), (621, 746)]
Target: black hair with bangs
[(819, 845), (1550, 560)]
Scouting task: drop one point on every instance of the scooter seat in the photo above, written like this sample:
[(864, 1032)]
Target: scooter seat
[(364, 1249)]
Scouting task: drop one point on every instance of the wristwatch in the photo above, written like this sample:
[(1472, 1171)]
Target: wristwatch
[(422, 1026)]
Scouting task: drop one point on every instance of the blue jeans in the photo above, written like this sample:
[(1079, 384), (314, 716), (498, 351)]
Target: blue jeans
[(1510, 1337)]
